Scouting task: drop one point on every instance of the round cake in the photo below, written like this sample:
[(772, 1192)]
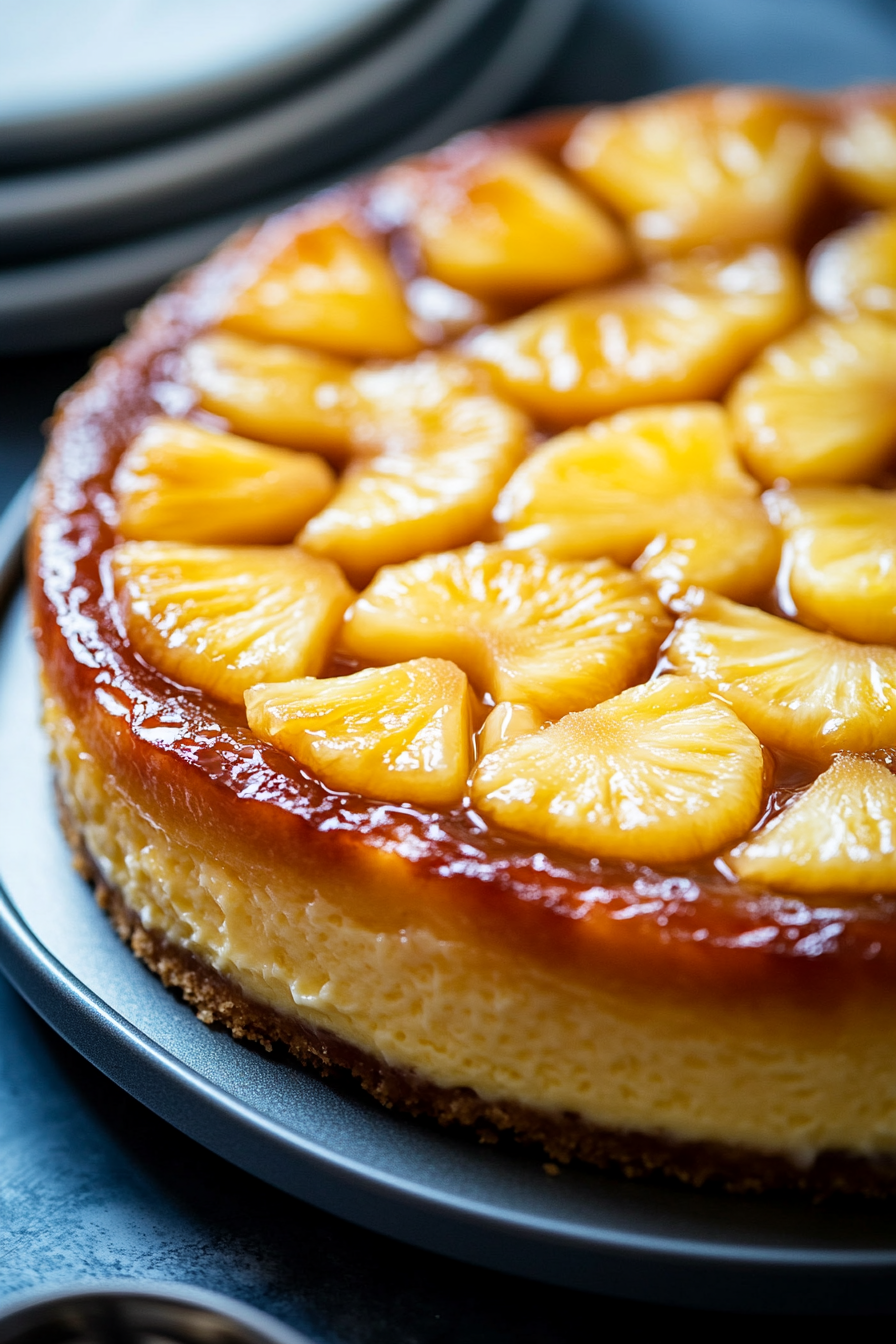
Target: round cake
[(467, 615)]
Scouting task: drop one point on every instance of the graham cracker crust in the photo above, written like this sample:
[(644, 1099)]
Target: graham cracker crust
[(563, 1138)]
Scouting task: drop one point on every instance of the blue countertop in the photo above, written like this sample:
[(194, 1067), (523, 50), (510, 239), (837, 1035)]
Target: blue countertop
[(92, 1185)]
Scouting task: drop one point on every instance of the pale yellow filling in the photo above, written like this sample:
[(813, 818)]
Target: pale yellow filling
[(796, 1079)]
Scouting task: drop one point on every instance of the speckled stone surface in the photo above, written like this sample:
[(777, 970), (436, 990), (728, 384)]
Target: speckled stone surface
[(92, 1185)]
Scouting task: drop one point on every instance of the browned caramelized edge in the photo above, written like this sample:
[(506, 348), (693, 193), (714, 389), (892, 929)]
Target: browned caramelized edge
[(689, 926)]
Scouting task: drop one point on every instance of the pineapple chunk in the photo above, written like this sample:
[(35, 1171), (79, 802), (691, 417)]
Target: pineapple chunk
[(819, 406), (277, 393), (451, 446), (549, 634), (326, 284), (861, 150), (854, 271), (838, 838), (727, 545), (506, 722), (840, 559), (180, 482), (678, 334), (704, 166), (664, 478), (224, 618), (400, 733), (498, 222), (801, 692), (661, 774)]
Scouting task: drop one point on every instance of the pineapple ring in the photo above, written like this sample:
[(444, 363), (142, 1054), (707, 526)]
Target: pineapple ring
[(180, 482), (839, 570), (499, 222), (328, 284), (550, 634), (399, 733), (224, 618), (678, 333), (819, 406), (705, 166), (801, 692), (659, 487), (837, 839), (663, 773), (854, 271)]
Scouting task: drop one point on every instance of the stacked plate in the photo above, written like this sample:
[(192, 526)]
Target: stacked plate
[(136, 134)]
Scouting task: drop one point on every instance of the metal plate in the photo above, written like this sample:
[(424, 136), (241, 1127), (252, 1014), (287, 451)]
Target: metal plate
[(90, 77), (137, 1313), (330, 1144), (359, 103), (83, 298)]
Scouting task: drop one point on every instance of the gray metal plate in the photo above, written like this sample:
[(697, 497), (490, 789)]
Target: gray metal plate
[(328, 1143)]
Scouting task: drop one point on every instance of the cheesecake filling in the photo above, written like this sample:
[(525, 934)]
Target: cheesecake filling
[(774, 1076)]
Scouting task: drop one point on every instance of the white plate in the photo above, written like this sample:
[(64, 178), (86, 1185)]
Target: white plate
[(335, 119), (80, 76), (83, 298)]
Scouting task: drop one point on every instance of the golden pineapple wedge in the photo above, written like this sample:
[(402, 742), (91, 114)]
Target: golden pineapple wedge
[(837, 839), (661, 774), (664, 481), (860, 150), (223, 618), (277, 393), (702, 166), (180, 482), (819, 406), (506, 722), (678, 334), (327, 283), (498, 222), (450, 447), (553, 635), (400, 733), (810, 694), (854, 271), (839, 570)]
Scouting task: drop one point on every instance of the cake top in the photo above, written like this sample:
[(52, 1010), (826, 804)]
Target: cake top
[(545, 478)]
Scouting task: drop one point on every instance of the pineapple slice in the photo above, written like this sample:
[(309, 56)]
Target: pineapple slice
[(840, 559), (400, 733), (661, 774), (327, 284), (664, 478), (549, 634), (224, 618), (498, 222), (678, 334), (727, 545), (854, 271), (180, 482), (861, 150), (451, 446), (506, 722), (838, 838), (277, 393), (705, 166), (801, 692), (819, 406)]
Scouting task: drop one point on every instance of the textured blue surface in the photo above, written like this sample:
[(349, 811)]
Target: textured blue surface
[(91, 1184)]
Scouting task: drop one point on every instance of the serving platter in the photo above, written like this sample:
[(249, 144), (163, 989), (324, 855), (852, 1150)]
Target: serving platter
[(369, 98), (82, 298), (328, 1143)]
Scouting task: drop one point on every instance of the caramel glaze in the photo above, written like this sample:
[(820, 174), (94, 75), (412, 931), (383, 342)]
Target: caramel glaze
[(194, 759)]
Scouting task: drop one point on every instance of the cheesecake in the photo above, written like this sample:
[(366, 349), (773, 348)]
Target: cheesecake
[(466, 608)]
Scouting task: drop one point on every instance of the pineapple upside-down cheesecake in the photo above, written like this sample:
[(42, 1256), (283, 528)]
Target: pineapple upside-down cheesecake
[(467, 614)]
